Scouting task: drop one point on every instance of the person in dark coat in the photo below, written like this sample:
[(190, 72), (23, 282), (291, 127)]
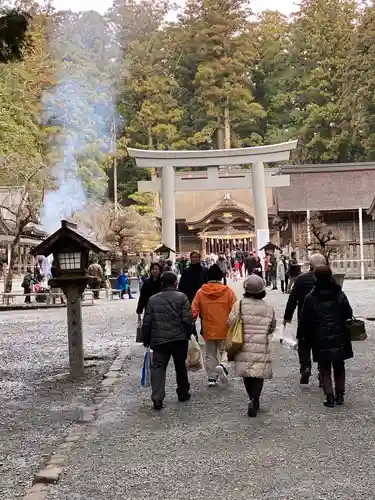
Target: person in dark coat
[(192, 279), (27, 284), (250, 264), (294, 270), (151, 286), (302, 287), (258, 270), (182, 265), (167, 327), (323, 325)]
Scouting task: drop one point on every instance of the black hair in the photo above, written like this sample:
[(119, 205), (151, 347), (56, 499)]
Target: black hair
[(323, 275), (214, 273), (195, 252), (168, 279), (156, 264), (258, 296)]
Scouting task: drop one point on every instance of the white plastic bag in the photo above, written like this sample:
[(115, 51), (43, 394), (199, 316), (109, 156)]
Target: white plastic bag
[(194, 360), (285, 334)]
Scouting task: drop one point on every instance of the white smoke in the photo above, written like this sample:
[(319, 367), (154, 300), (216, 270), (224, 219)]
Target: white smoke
[(82, 105)]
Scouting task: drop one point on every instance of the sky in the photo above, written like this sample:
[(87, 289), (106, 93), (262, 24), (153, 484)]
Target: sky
[(285, 6)]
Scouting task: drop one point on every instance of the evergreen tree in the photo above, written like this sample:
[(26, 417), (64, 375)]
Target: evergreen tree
[(321, 40), (275, 78), (218, 34), (358, 107)]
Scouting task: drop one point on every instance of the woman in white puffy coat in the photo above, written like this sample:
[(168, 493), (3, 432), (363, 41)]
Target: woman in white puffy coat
[(253, 362)]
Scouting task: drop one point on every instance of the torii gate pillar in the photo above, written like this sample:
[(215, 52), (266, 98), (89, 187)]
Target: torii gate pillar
[(168, 227), (260, 205)]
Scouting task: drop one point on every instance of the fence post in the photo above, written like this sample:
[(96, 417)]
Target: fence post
[(361, 243)]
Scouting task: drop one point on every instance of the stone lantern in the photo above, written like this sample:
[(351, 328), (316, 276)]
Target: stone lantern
[(70, 251), (165, 252), (270, 248)]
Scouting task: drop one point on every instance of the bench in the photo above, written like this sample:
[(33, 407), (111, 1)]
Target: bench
[(112, 292), (7, 298)]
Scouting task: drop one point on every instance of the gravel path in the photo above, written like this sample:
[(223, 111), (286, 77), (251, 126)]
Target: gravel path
[(36, 407), (208, 449)]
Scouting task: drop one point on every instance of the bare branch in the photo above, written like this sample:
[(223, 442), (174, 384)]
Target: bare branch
[(4, 207), (316, 236)]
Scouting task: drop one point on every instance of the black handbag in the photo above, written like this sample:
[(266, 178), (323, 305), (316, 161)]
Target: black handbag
[(138, 337), (356, 329)]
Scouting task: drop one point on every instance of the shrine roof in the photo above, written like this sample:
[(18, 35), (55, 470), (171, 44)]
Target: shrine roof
[(327, 188), (195, 206)]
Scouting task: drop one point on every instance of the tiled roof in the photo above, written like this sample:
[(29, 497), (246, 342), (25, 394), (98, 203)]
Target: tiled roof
[(192, 206), (341, 190)]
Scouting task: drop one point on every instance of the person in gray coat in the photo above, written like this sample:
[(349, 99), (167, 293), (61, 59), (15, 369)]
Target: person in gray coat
[(167, 327), (253, 361)]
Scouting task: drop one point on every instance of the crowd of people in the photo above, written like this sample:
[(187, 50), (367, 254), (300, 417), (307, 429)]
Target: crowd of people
[(171, 307), (238, 264)]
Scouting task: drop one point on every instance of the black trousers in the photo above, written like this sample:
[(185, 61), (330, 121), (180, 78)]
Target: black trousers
[(283, 287), (128, 291), (338, 374), (253, 387), (304, 355), (95, 285), (273, 280), (26, 290), (286, 282), (160, 359)]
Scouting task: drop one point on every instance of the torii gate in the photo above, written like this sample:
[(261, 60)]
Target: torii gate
[(215, 178)]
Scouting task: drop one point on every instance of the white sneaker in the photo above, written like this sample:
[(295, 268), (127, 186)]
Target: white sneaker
[(222, 375), (211, 383)]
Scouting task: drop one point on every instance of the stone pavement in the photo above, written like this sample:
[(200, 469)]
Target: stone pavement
[(209, 449), (38, 400)]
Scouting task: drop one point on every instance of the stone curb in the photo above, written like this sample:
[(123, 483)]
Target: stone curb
[(53, 469)]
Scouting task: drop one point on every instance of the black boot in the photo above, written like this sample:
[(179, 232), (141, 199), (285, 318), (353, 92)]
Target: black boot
[(184, 397), (158, 405), (339, 398), (330, 401), (253, 408), (305, 377)]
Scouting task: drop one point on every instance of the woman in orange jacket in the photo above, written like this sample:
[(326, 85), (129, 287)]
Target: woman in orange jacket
[(214, 302)]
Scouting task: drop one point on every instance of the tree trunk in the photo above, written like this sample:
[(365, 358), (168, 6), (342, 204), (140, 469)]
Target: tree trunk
[(13, 257), (150, 138), (220, 137), (227, 141)]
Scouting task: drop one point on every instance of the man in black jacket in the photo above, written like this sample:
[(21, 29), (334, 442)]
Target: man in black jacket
[(192, 279), (303, 285), (167, 327), (294, 270)]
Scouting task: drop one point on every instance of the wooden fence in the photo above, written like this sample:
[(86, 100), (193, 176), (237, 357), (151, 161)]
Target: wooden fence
[(346, 261)]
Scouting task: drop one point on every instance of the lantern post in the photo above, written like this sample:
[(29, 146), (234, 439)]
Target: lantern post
[(70, 251)]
